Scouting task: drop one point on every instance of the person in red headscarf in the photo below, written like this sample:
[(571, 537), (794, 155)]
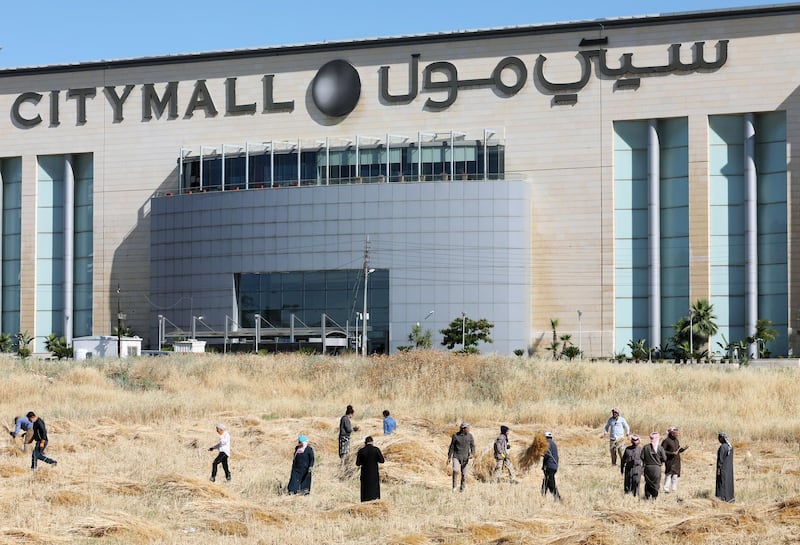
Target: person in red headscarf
[(631, 466)]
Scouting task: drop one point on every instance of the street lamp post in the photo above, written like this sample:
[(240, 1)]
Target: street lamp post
[(366, 316), (580, 337), (691, 335), (463, 331), (258, 330), (194, 326), (120, 317), (160, 330)]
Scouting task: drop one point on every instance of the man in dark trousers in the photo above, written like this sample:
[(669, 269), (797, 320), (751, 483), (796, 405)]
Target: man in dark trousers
[(368, 458), (550, 467), (461, 451), (631, 466), (39, 441), (673, 450)]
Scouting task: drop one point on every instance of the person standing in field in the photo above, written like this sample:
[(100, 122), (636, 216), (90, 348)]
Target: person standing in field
[(39, 441), (673, 450), (345, 429), (724, 484), (224, 448), (653, 456), (367, 458), (389, 424), (302, 467), (617, 428), (461, 451), (631, 466), (502, 458), (550, 467)]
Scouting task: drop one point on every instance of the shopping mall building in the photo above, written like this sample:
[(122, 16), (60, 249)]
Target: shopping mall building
[(605, 174)]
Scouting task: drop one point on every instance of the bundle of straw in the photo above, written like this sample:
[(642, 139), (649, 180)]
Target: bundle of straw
[(533, 454)]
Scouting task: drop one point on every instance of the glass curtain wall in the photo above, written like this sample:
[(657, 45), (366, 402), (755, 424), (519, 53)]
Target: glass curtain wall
[(11, 176), (50, 231), (309, 294), (83, 266), (674, 197), (49, 249), (728, 220), (338, 166), (631, 229)]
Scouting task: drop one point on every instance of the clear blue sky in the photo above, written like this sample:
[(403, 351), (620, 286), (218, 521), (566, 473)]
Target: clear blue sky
[(34, 34)]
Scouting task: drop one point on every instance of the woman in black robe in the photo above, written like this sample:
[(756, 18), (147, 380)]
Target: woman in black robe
[(368, 458), (302, 465), (724, 488), (653, 457)]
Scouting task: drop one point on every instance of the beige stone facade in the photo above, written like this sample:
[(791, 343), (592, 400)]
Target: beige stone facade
[(564, 150)]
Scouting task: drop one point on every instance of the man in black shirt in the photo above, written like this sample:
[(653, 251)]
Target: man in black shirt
[(39, 441)]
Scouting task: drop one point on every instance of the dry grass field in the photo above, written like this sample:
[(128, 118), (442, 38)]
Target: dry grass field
[(132, 439)]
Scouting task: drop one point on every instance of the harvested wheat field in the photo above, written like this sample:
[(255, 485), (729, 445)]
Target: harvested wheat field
[(131, 439)]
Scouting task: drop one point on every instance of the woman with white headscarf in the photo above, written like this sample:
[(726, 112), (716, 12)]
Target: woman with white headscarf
[(302, 466), (653, 456), (724, 488)]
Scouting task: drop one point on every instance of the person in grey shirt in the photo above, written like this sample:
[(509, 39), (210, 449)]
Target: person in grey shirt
[(617, 428), (461, 451), (346, 427)]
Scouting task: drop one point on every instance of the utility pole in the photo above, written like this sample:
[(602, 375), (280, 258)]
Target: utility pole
[(364, 317), (120, 317)]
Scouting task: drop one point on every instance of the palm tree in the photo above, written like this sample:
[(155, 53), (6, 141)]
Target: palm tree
[(764, 334), (553, 326), (700, 325), (703, 320)]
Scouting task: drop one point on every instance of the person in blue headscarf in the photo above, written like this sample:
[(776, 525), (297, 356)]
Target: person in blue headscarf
[(302, 466)]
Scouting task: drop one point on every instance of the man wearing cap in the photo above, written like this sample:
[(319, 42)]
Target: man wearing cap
[(673, 450), (631, 466), (502, 457), (224, 448), (302, 467), (550, 467), (462, 449), (616, 428)]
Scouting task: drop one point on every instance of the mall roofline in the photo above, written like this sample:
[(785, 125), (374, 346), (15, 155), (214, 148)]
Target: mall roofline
[(412, 39)]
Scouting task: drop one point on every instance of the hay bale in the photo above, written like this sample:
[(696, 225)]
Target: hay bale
[(628, 518), (181, 486), (13, 451), (370, 509), (66, 498), (20, 535), (8, 470), (229, 509), (787, 512), (532, 455), (482, 533), (483, 466), (127, 488), (121, 525), (410, 459), (410, 539), (228, 527)]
